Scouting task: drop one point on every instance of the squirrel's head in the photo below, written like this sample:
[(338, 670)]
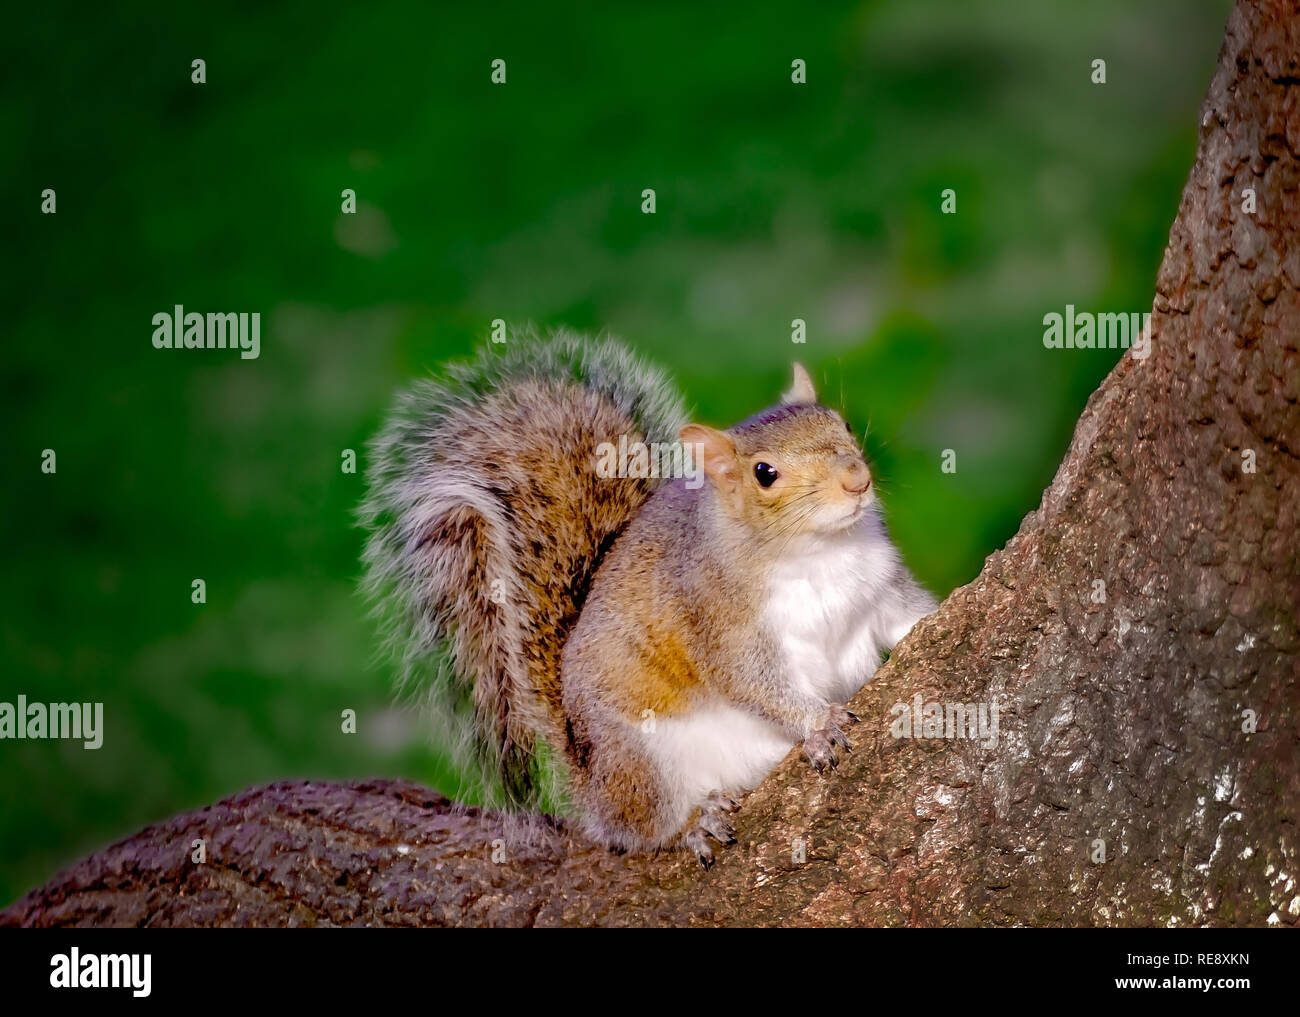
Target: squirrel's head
[(792, 469)]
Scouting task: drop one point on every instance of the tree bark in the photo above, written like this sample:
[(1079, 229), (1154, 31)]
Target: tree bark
[(1125, 721)]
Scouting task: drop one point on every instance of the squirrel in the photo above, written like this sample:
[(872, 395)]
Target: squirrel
[(656, 644)]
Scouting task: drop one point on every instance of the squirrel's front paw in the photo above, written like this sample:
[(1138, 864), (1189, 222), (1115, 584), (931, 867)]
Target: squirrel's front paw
[(821, 746)]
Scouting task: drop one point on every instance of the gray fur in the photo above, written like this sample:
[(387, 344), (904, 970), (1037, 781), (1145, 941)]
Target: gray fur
[(431, 499)]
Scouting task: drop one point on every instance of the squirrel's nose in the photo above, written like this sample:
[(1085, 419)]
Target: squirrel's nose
[(856, 481)]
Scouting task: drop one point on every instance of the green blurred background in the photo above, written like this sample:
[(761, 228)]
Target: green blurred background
[(775, 201)]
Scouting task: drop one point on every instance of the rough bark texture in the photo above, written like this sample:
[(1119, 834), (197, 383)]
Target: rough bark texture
[(1120, 721)]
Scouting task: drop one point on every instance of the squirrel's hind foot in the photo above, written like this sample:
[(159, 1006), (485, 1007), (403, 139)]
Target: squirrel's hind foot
[(712, 823)]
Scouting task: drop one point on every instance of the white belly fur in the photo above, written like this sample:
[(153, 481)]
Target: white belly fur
[(827, 614), (829, 611), (718, 747)]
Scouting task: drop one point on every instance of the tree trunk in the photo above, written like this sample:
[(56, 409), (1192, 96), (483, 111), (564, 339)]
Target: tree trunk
[(1156, 718)]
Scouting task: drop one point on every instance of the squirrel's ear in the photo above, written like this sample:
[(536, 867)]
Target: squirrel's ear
[(801, 391), (715, 452)]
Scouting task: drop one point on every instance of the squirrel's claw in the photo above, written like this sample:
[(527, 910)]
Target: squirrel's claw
[(724, 801), (717, 826), (821, 746), (712, 822), (819, 749), (697, 839)]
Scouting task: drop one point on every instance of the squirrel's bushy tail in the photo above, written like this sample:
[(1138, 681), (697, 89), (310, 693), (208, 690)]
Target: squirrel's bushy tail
[(487, 520)]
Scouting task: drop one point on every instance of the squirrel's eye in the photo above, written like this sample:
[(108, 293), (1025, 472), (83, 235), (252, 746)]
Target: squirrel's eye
[(848, 427), (765, 475)]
